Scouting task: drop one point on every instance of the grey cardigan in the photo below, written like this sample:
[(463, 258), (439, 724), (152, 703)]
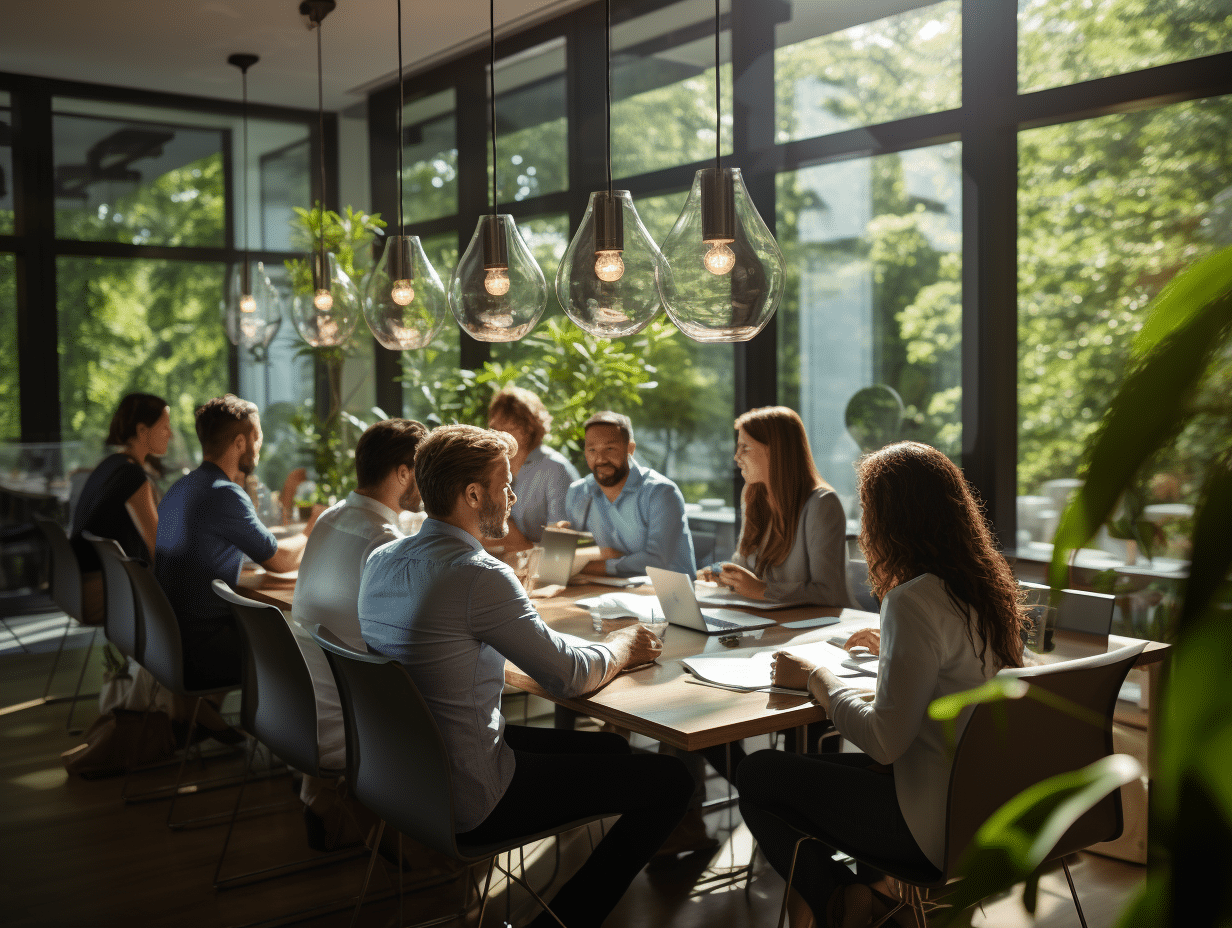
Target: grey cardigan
[(815, 570)]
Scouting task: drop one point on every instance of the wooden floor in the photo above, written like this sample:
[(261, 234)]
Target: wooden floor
[(75, 855)]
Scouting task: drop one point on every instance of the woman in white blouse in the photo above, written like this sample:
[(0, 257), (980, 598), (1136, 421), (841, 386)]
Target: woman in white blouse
[(793, 537), (951, 617)]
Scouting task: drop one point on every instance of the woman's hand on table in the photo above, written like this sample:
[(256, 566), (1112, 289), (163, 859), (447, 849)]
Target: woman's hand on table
[(865, 638), (742, 581), (789, 671)]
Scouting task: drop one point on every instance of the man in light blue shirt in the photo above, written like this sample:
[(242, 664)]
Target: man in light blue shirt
[(452, 614), (636, 515)]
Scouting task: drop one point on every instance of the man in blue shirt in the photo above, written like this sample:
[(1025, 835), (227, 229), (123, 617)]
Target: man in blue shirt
[(636, 515), (452, 614), (206, 524)]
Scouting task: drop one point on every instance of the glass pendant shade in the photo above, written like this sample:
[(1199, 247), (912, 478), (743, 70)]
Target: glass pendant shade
[(497, 292), (723, 274), (405, 303), (253, 308), (326, 315), (607, 277)]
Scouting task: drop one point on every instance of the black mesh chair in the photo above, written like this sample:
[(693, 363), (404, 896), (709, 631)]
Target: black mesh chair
[(162, 654), (398, 766), (66, 593), (279, 710), (1062, 724)]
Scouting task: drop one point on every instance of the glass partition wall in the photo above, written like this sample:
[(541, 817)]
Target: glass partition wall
[(976, 202)]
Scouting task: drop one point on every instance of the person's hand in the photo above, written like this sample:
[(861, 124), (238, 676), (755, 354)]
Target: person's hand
[(633, 645), (865, 638), (598, 566), (790, 672), (742, 581), (563, 523)]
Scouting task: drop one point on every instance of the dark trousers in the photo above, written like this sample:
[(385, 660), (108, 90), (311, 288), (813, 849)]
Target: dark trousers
[(833, 797), (562, 776)]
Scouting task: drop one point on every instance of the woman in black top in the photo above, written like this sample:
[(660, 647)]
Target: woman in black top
[(118, 500)]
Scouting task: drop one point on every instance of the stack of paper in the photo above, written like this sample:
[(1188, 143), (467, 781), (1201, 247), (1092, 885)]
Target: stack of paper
[(752, 672)]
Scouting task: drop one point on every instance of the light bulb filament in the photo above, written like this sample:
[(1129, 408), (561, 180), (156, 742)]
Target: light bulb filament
[(496, 281), (248, 303), (719, 259), (323, 300), (402, 292), (609, 266)]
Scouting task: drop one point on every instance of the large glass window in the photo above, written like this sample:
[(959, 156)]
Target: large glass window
[(531, 126), (426, 372), (430, 158), (1109, 209), (1066, 41), (663, 76), (6, 165), (834, 71), (277, 175), (138, 325), (873, 249), (10, 392)]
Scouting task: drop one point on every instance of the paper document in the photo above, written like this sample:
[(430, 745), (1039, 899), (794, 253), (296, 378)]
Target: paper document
[(615, 605), (752, 672)]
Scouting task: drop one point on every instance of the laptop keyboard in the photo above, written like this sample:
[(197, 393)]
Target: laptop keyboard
[(722, 623)]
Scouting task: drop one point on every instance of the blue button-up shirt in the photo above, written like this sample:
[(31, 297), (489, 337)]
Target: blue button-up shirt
[(647, 522), (451, 614), (540, 485)]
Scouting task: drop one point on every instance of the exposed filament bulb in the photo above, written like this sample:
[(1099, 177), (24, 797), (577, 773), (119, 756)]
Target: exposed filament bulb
[(719, 259)]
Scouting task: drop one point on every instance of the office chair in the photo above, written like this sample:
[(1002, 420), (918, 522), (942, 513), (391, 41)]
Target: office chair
[(398, 767), (279, 710), (120, 621), (66, 593), (1063, 723), (162, 654)]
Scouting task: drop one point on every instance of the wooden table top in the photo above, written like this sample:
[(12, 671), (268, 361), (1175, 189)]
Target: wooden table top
[(663, 701)]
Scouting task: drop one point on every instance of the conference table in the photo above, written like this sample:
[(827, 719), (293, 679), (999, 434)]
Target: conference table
[(665, 702)]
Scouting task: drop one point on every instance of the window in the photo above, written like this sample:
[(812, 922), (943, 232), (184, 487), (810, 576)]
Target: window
[(873, 297), (1110, 209), (531, 124), (547, 237), (430, 158), (424, 371), (10, 392), (1067, 41), (283, 182), (138, 325), (834, 71), (663, 76), (7, 224)]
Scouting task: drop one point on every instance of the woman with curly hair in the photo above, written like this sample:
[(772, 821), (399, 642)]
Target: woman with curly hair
[(793, 539), (951, 617)]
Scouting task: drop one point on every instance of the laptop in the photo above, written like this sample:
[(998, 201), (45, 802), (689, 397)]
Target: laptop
[(559, 547), (679, 602)]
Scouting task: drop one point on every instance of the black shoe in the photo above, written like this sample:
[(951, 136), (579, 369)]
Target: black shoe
[(314, 826)]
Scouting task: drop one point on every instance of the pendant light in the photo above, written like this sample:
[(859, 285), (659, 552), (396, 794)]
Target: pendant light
[(724, 273), (607, 280), (497, 292), (405, 303), (253, 308), (327, 316)]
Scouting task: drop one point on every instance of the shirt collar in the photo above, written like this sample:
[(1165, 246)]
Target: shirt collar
[(359, 501), (432, 525)]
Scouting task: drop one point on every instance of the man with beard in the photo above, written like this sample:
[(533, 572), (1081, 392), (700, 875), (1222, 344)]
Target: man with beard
[(452, 614), (206, 524), (635, 514)]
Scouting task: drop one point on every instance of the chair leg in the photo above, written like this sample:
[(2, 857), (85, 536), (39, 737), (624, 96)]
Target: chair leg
[(234, 813), (68, 623), (12, 634), (487, 885), (790, 875), (1073, 890), (376, 844), (526, 886), (85, 664)]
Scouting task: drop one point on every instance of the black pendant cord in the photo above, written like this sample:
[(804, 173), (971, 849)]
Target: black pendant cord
[(244, 180), (401, 108), (718, 102), (492, 90), (608, 56), (322, 284)]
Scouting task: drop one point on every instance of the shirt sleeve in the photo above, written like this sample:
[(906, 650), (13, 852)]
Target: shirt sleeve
[(558, 482), (235, 520), (906, 681), (501, 615), (669, 544), (575, 504), (823, 531)]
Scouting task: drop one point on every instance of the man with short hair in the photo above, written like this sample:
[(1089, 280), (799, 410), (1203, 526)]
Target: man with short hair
[(635, 514), (452, 614), (206, 524), (541, 474), (327, 591)]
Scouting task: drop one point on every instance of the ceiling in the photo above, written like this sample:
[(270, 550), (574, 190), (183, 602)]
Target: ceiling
[(181, 46)]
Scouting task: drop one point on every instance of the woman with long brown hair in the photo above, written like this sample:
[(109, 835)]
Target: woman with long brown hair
[(793, 537), (951, 617)]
